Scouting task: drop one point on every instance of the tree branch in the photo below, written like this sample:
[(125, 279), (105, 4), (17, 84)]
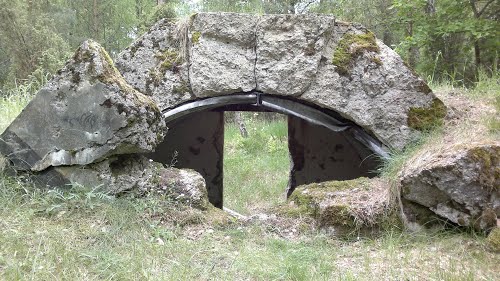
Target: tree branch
[(478, 13), (485, 6), (474, 8)]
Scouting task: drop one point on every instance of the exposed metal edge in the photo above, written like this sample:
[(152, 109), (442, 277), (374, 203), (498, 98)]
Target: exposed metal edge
[(284, 106), (370, 142), (209, 103), (302, 111)]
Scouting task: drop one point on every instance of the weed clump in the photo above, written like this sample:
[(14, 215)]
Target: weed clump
[(352, 46)]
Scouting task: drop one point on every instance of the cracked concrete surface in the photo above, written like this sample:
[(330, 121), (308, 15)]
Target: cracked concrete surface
[(290, 55)]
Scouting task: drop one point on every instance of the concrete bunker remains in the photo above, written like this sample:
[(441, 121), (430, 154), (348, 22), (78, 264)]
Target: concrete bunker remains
[(322, 145), (93, 122)]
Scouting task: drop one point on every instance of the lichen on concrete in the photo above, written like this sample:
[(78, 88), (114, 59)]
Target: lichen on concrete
[(195, 37), (489, 161)]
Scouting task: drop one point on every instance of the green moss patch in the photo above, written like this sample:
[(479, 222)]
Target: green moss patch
[(352, 46), (426, 118), (337, 215), (494, 239), (195, 37), (489, 160), (170, 60)]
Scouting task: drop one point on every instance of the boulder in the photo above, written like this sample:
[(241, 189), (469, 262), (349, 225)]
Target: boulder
[(85, 114), (345, 207), (141, 176), (460, 183)]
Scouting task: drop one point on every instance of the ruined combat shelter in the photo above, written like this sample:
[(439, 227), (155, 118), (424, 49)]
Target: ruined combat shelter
[(349, 98)]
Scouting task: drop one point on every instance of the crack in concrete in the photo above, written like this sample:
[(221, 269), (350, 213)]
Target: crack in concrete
[(327, 37), (255, 50)]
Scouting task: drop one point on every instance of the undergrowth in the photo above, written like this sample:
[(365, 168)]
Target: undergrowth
[(78, 233), (82, 234)]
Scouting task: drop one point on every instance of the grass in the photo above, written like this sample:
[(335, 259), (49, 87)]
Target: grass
[(82, 234), (124, 239), (256, 168), (11, 106)]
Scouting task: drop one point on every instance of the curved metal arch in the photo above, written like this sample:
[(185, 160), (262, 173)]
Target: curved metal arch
[(279, 105)]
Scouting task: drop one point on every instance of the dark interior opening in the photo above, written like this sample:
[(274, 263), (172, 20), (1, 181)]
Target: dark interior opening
[(196, 140)]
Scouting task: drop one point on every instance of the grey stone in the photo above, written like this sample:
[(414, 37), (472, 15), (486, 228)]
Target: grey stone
[(186, 186), (139, 175), (289, 49), (460, 184), (222, 56), (155, 65), (85, 114)]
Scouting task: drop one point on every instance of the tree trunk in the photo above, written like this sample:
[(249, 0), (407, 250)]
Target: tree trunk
[(477, 54), (477, 14), (412, 51), (241, 124), (95, 28)]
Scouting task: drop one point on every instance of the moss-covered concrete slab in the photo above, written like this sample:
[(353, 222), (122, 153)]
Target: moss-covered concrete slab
[(345, 207)]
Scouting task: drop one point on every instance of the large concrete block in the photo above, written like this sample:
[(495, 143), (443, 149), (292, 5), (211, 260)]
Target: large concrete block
[(85, 114)]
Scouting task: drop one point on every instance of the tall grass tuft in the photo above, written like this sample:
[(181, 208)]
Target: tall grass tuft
[(12, 101)]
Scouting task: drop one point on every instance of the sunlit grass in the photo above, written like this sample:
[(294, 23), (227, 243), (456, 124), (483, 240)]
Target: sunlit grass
[(10, 107), (255, 168)]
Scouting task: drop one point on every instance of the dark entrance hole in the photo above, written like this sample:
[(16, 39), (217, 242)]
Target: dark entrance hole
[(322, 145)]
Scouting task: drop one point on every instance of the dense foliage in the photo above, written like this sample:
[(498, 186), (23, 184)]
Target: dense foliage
[(441, 39)]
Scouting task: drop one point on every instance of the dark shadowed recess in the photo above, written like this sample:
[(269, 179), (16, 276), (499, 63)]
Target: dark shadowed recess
[(322, 145)]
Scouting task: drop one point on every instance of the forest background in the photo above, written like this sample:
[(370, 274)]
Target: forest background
[(452, 40)]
